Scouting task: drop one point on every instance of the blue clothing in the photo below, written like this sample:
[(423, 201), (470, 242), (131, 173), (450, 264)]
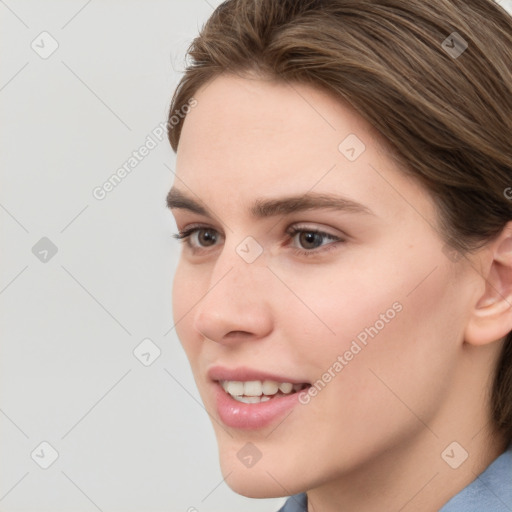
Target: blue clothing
[(489, 492)]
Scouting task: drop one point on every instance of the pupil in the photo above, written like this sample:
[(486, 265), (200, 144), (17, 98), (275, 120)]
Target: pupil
[(206, 237), (309, 238)]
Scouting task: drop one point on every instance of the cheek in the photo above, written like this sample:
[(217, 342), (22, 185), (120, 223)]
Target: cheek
[(397, 350), (335, 306), (358, 332)]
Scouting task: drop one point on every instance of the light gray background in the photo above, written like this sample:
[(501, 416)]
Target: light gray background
[(129, 437)]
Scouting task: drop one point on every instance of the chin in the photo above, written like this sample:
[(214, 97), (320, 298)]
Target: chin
[(251, 484), (267, 478)]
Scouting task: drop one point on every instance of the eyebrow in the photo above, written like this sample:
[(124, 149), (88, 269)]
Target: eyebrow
[(263, 208)]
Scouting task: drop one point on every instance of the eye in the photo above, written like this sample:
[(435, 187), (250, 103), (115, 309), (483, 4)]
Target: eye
[(198, 237), (312, 239)]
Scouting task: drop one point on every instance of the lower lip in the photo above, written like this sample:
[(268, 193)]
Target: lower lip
[(240, 415)]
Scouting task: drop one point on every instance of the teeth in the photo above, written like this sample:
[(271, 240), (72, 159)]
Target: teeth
[(253, 388), (286, 387), (248, 399), (254, 391), (232, 387), (270, 387), (252, 399)]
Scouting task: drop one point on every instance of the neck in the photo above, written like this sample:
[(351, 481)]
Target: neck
[(410, 477)]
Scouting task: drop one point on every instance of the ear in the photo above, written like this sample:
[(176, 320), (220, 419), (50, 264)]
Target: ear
[(491, 318)]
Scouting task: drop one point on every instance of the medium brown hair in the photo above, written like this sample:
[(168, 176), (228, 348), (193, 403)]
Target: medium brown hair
[(447, 118)]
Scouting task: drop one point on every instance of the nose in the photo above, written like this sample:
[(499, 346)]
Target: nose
[(236, 303)]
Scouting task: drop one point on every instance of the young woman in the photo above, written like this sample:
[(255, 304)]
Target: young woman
[(343, 190)]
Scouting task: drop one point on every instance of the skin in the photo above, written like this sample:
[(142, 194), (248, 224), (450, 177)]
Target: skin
[(372, 439)]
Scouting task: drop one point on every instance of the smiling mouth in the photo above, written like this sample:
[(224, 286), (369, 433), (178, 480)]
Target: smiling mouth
[(256, 391)]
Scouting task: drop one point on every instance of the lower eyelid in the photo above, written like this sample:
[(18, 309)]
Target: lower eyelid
[(319, 251), (333, 244)]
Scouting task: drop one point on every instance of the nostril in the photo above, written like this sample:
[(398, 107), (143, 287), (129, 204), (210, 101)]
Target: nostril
[(233, 334)]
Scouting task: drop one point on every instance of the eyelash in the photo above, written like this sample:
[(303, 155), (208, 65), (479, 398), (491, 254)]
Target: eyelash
[(184, 237)]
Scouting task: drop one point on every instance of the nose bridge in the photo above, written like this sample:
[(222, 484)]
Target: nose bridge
[(241, 262), (236, 299)]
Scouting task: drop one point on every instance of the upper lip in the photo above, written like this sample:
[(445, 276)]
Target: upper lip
[(244, 373)]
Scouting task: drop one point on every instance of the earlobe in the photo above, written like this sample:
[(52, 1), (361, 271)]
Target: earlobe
[(489, 323), (491, 318)]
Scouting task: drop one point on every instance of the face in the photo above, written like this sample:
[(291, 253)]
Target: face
[(313, 269)]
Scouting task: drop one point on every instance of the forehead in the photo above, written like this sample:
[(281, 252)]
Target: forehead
[(254, 110), (253, 137)]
